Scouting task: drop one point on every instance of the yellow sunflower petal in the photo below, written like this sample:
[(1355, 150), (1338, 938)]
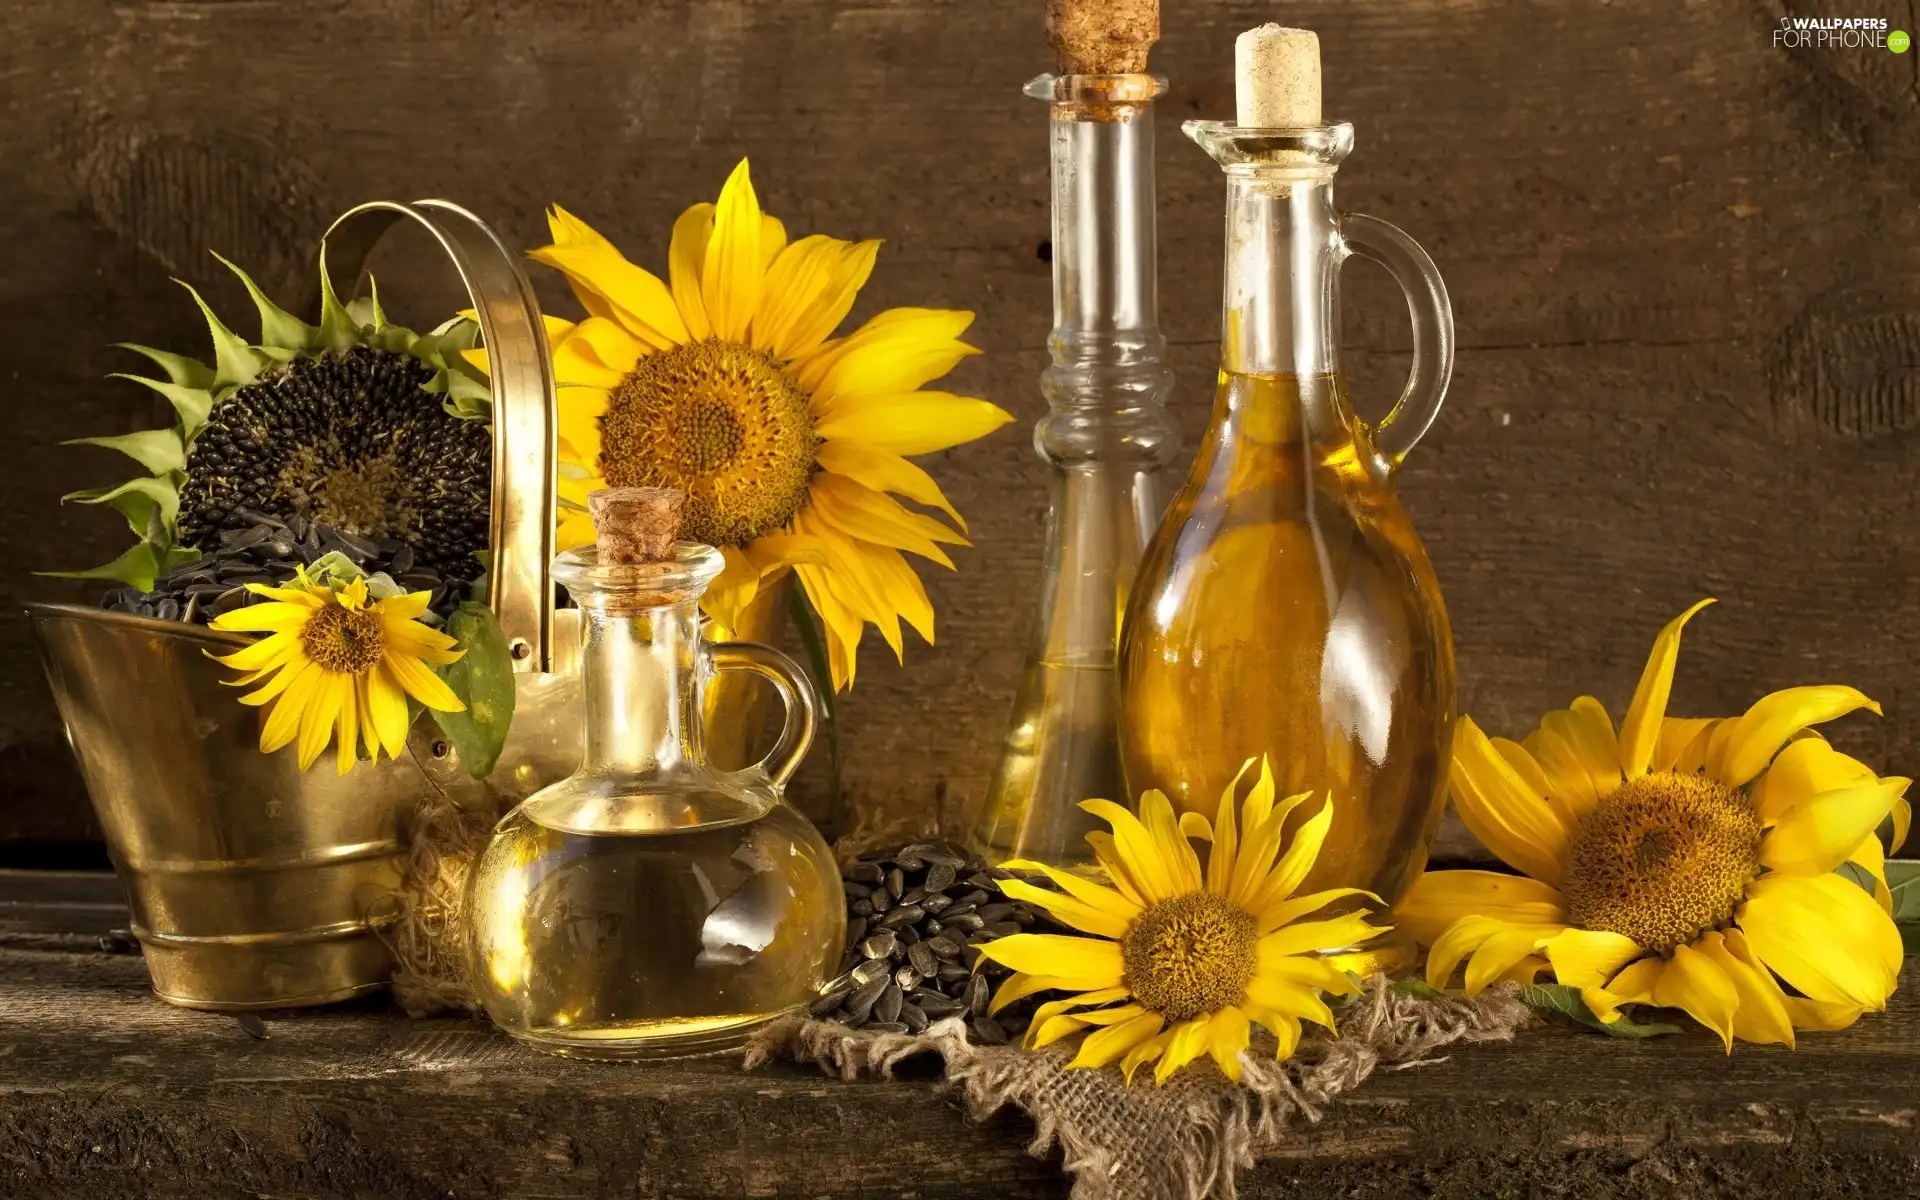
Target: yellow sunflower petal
[(1765, 728), (607, 285), (858, 511), (1633, 985), (1138, 850), (1054, 1008), (1286, 911), (1439, 898), (1309, 971), (1760, 1016), (1821, 832), (1334, 933), (1189, 1042), (1536, 778), (1824, 936), (1585, 958), (1495, 804), (1089, 962), (734, 271), (842, 624), (1174, 851), (317, 718), (911, 423), (1504, 949), (1640, 731), (884, 471), (423, 685), (1223, 841), (1870, 856), (1588, 731), (1106, 1045), (387, 701), (1694, 983), (686, 262), (1573, 792), (1107, 854), (898, 351), (1086, 891), (1289, 1000), (1821, 1016), (1803, 770), (1292, 869), (1228, 1034), (283, 719), (1457, 942), (1144, 1053), (262, 618), (1683, 744), (811, 288), (1087, 918)]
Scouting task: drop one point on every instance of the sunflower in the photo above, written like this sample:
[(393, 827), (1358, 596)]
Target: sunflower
[(1683, 863), (356, 423), (1183, 963), (727, 384), (338, 666)]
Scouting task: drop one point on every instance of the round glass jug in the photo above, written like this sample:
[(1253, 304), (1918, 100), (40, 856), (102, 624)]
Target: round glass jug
[(649, 905)]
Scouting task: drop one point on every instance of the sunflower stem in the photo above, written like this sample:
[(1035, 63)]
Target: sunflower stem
[(803, 620)]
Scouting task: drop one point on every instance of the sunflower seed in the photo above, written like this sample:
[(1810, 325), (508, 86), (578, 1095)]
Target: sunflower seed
[(994, 912), (251, 1025), (903, 914), (967, 921), (887, 1008), (860, 1004), (869, 971), (402, 561), (1004, 928), (954, 974), (977, 996), (923, 960), (887, 1027), (119, 941), (910, 862), (915, 1019), (975, 898), (942, 948), (828, 1004), (868, 873), (896, 882), (989, 1031), (980, 879), (939, 877), (881, 945), (936, 903), (855, 891), (860, 908), (914, 895), (909, 936), (856, 930), (958, 910), (880, 901)]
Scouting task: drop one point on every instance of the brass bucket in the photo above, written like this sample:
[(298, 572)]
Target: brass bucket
[(250, 881)]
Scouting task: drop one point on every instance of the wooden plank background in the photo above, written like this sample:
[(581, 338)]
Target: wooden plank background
[(1685, 266)]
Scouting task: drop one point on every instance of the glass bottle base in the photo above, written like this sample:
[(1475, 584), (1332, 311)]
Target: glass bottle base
[(650, 1040)]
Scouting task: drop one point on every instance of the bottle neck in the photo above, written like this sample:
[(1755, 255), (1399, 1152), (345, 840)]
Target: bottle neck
[(1283, 256), (639, 674), (1107, 385)]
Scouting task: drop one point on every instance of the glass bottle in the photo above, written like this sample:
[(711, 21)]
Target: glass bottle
[(649, 905), (1106, 437), (1285, 606)]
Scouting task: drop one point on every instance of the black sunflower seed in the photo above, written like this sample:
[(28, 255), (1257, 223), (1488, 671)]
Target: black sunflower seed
[(860, 1004), (989, 1031)]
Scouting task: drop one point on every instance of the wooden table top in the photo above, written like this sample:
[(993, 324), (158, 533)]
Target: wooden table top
[(106, 1092)]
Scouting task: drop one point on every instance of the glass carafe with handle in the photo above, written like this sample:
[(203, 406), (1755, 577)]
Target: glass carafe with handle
[(1285, 605), (651, 905)]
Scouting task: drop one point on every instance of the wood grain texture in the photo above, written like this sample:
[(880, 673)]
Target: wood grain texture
[(106, 1092), (1685, 266)]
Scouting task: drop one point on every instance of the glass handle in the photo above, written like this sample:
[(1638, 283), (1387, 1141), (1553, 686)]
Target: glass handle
[(796, 695), (1432, 313)]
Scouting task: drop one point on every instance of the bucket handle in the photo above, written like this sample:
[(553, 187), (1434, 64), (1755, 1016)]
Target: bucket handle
[(525, 471)]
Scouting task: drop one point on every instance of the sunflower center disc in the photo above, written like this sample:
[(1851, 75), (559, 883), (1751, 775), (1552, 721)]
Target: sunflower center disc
[(344, 641), (1190, 955), (1662, 860), (721, 422)]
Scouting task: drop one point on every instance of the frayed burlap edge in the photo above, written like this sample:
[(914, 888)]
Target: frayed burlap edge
[(422, 920), (1181, 1141)]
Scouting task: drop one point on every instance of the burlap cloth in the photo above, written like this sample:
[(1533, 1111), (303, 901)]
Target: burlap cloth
[(1180, 1141)]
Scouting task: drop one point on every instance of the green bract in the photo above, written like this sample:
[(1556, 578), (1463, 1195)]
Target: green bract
[(151, 502)]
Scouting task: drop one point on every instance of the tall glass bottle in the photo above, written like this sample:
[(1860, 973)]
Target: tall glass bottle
[(651, 905), (1286, 607), (1106, 437)]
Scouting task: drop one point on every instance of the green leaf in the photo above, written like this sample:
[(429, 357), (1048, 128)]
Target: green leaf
[(1563, 1001), (136, 568), (483, 679), (158, 450), (190, 404), (337, 328), (802, 615), (235, 362), (1903, 874), (1419, 989), (279, 329), (138, 500), (182, 371)]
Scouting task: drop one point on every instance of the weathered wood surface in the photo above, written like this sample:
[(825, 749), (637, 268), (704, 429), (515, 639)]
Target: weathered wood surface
[(1685, 266), (106, 1092)]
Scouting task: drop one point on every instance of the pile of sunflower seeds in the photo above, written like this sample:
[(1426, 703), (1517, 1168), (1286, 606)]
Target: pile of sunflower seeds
[(267, 552), (916, 920)]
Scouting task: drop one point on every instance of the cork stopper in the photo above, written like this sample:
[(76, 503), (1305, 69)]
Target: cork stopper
[(1276, 78), (635, 525), (1102, 37)]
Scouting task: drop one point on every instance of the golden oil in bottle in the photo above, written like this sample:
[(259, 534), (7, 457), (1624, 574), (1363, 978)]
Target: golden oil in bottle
[(1286, 608), (651, 926)]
